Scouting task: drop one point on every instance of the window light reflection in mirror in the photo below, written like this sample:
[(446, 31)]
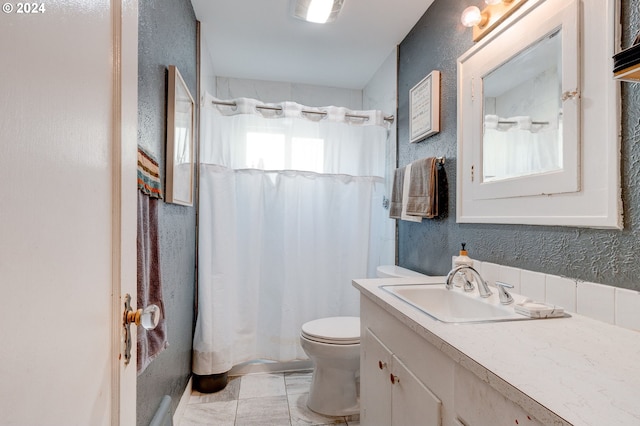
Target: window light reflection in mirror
[(522, 129)]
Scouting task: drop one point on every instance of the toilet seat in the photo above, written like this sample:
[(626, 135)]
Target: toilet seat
[(333, 330)]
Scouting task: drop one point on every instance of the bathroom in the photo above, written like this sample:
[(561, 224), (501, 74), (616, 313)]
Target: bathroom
[(166, 34)]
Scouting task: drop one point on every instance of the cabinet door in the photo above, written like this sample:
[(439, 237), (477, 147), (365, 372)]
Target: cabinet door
[(375, 389), (412, 403), (478, 404)]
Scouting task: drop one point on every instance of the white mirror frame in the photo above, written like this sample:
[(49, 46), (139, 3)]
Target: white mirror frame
[(487, 60), (598, 202)]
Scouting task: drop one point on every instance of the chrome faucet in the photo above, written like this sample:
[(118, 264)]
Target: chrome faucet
[(483, 288), (505, 297)]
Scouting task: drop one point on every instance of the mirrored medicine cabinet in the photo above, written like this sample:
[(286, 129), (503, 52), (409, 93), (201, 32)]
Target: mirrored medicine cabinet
[(538, 119)]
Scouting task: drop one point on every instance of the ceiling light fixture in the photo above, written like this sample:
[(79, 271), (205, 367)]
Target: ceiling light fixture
[(318, 11), (490, 17)]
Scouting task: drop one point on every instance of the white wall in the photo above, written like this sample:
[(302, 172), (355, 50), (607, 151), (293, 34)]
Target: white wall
[(273, 91), (381, 93), (207, 72)]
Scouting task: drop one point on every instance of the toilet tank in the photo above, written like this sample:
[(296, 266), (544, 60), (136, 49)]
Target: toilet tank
[(393, 271)]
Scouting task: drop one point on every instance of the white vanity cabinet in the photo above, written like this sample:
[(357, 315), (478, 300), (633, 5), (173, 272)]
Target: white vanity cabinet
[(407, 381), (492, 373), (404, 380), (393, 394)]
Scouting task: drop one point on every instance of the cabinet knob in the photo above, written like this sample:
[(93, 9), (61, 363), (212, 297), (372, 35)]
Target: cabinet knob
[(394, 379), (382, 365)]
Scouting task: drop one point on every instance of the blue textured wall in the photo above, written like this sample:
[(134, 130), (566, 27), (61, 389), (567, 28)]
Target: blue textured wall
[(602, 256), (167, 36)]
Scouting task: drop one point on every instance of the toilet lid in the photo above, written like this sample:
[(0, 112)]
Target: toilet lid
[(333, 330)]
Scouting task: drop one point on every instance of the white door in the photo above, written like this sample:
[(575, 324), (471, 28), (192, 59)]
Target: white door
[(67, 210)]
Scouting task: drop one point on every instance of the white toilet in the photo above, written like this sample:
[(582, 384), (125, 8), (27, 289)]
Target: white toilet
[(333, 345)]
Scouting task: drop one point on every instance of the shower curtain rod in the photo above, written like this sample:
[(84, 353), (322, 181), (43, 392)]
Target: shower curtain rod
[(389, 118)]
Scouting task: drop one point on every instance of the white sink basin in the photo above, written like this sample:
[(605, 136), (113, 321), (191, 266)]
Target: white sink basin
[(455, 305)]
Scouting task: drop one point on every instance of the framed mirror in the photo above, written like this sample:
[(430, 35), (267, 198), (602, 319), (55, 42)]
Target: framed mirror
[(522, 113), (180, 141), (527, 153), (524, 149)]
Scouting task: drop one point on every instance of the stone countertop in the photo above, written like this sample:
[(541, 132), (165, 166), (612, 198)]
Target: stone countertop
[(572, 370)]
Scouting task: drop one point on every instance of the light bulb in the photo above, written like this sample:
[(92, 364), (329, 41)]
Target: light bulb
[(471, 16), (492, 1)]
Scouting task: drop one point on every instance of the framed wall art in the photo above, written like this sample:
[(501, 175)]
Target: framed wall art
[(424, 108)]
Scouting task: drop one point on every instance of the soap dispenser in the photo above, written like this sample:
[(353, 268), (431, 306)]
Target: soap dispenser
[(460, 260)]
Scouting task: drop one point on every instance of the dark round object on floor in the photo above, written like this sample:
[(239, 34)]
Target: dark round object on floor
[(210, 383)]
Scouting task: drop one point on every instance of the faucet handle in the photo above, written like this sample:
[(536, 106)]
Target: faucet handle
[(505, 297), (468, 285)]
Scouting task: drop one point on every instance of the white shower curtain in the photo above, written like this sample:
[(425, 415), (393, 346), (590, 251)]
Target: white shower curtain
[(512, 150), (280, 247)]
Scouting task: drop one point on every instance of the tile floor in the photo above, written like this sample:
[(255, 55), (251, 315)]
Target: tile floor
[(259, 399)]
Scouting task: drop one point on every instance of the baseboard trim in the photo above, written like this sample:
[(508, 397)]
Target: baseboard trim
[(261, 366), (182, 405)]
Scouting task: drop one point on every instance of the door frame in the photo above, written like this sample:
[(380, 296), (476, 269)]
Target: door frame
[(124, 19)]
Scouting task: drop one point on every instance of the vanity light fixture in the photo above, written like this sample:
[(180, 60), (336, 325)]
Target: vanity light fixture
[(485, 20), (317, 11)]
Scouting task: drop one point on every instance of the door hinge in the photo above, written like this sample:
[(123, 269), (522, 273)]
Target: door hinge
[(472, 173)]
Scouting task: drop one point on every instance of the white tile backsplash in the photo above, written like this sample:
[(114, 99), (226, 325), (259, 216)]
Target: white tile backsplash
[(532, 285), (561, 291), (627, 311), (491, 273), (477, 265), (605, 303), (596, 301), (510, 275)]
